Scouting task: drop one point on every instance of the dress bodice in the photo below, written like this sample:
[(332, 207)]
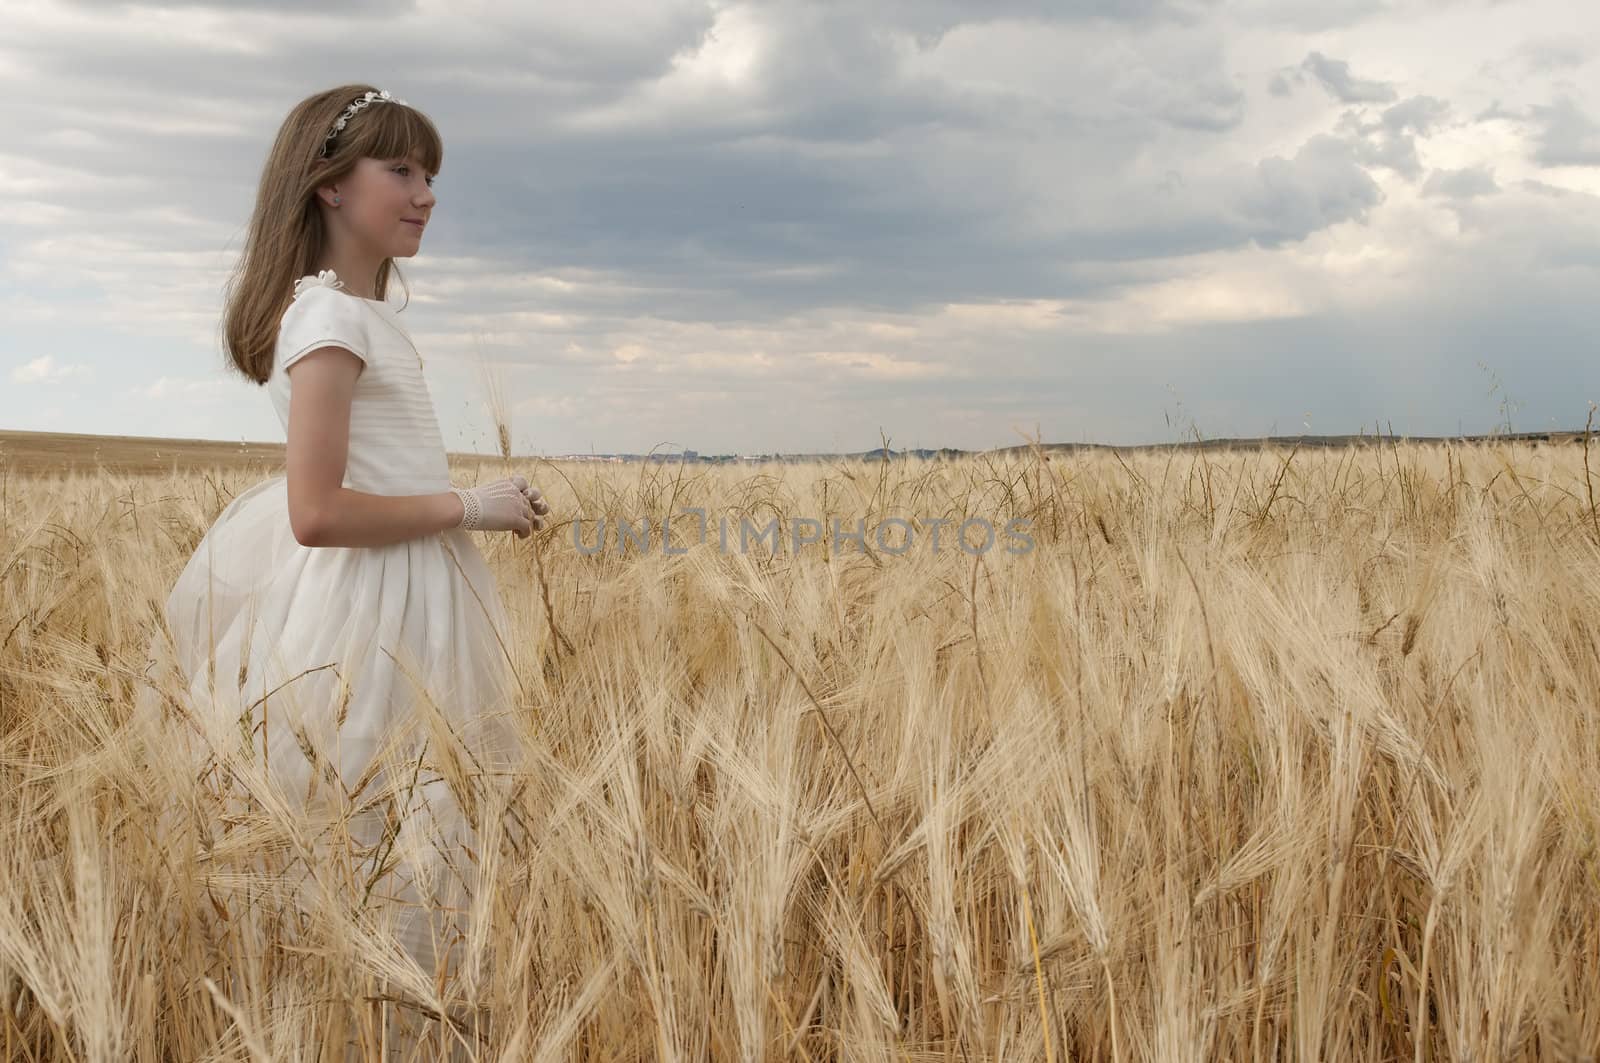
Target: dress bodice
[(395, 445)]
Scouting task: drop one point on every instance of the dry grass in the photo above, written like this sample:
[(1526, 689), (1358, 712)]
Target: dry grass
[(1256, 755)]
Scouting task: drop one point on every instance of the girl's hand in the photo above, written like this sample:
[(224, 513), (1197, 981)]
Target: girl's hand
[(502, 505), (536, 503)]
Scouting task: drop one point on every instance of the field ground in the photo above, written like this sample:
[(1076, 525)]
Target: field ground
[(1256, 754)]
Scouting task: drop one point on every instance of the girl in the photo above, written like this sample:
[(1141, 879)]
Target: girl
[(339, 615)]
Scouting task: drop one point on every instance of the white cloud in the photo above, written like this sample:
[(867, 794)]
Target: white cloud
[(44, 370), (183, 389), (1461, 184)]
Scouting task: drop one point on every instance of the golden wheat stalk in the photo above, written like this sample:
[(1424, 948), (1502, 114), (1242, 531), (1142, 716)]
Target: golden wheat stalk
[(500, 414)]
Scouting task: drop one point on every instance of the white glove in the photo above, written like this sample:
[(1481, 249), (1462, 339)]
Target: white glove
[(502, 505)]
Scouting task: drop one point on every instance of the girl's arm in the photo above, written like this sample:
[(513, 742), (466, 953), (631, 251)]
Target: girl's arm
[(321, 511)]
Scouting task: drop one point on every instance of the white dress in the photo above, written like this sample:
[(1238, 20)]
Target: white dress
[(268, 612)]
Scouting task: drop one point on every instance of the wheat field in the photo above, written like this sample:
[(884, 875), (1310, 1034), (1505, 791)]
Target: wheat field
[(1255, 754)]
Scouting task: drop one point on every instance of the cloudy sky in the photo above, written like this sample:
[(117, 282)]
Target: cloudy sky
[(738, 227)]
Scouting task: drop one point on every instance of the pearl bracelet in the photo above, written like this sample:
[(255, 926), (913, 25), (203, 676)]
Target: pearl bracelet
[(471, 513)]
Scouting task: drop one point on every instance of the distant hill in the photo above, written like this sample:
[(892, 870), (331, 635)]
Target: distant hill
[(68, 451)]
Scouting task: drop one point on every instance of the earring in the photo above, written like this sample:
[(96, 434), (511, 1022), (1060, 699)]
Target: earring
[(336, 201)]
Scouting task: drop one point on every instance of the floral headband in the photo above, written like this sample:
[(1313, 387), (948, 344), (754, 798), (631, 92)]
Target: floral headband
[(350, 111)]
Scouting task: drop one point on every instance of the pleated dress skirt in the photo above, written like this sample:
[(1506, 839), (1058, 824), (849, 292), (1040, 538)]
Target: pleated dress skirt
[(368, 685)]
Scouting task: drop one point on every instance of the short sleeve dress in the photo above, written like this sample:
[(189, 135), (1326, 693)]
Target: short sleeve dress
[(264, 626)]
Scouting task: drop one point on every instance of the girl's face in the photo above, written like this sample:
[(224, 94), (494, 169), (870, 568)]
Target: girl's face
[(385, 203)]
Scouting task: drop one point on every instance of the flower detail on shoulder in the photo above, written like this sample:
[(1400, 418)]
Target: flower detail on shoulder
[(326, 279)]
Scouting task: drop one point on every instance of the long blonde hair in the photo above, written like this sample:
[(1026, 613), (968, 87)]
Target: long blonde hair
[(287, 237)]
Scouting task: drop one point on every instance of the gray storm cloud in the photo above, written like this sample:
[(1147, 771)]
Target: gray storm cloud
[(693, 215)]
